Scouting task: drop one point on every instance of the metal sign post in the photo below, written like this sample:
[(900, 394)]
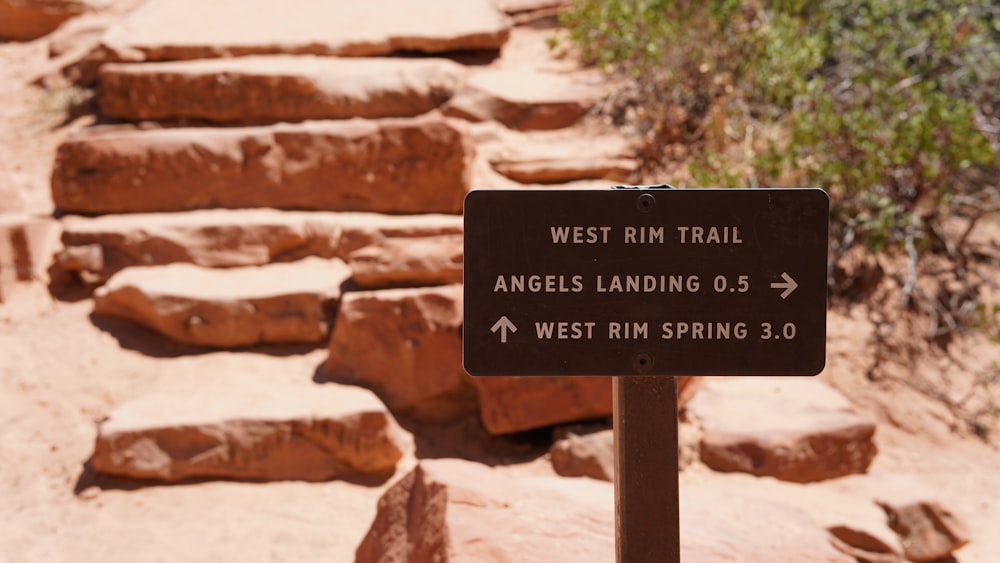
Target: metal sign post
[(647, 488), (640, 283)]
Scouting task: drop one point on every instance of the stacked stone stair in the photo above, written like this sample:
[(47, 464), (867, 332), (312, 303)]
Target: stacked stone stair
[(262, 190)]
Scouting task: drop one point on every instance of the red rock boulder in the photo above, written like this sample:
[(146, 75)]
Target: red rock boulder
[(406, 345), (590, 455), (794, 429), (928, 530)]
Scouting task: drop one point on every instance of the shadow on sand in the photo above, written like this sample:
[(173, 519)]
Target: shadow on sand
[(135, 337)]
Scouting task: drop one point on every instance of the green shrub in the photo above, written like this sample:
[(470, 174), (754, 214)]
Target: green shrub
[(892, 106)]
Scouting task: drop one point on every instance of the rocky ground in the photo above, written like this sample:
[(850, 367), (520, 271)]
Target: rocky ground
[(204, 357)]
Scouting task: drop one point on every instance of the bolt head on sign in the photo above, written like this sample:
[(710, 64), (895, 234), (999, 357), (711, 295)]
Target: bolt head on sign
[(645, 282)]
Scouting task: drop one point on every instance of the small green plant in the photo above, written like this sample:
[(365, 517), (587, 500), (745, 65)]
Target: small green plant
[(66, 104), (988, 319)]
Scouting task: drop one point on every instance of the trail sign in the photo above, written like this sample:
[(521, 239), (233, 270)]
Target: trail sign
[(645, 282)]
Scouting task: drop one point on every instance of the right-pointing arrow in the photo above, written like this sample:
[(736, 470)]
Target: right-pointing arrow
[(503, 324), (788, 285)]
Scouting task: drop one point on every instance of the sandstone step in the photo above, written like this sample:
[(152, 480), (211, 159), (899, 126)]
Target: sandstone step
[(419, 165), (273, 304), (239, 427), (193, 29), (268, 89), (793, 429), (559, 170), (524, 99), (576, 155), (516, 404), (382, 250)]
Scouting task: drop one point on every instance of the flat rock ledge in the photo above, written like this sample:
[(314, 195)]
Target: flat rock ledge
[(274, 304), (523, 99), (383, 250), (250, 430), (793, 429), (397, 166), (515, 404), (191, 29), (409, 262), (268, 89)]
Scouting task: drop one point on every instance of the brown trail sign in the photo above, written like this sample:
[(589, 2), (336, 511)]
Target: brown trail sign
[(645, 282), (642, 283)]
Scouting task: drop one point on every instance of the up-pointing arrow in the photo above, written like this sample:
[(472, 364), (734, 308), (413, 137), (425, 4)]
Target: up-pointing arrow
[(788, 285), (503, 324)]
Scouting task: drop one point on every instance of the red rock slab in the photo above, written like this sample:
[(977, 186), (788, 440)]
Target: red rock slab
[(191, 29), (927, 530), (268, 89), (419, 165), (236, 427), (274, 304), (26, 248), (408, 262), (406, 345), (515, 404), (511, 404), (23, 20), (590, 455), (794, 429), (557, 171), (538, 158), (222, 238), (523, 99)]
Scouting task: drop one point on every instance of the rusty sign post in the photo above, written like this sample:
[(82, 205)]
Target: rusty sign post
[(645, 284)]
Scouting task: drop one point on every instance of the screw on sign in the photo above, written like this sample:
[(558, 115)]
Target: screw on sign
[(645, 284)]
